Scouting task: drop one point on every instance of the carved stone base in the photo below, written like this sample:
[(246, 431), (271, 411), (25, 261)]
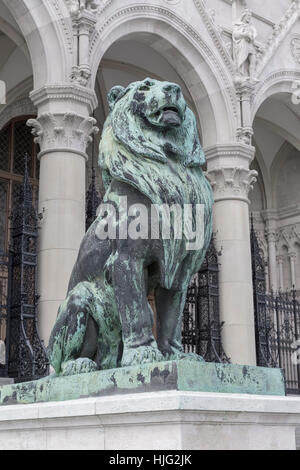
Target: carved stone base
[(181, 375), (168, 420)]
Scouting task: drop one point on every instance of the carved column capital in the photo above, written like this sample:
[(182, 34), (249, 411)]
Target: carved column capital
[(228, 171), (292, 256), (280, 259), (232, 183), (271, 235), (68, 132)]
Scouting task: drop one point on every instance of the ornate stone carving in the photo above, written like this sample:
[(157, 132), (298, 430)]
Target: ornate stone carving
[(208, 16), (22, 107), (295, 48), (244, 50), (84, 17), (68, 132), (271, 235), (84, 22), (245, 134), (95, 6), (279, 32), (187, 30), (236, 155), (288, 236), (232, 183), (61, 97), (78, 6)]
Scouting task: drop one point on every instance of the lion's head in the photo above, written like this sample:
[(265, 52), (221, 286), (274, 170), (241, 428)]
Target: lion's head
[(150, 141), (151, 119), (149, 125)]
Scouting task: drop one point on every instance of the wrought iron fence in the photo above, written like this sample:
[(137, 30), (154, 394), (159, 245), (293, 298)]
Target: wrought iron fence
[(201, 333), (277, 323), (27, 358), (22, 353), (5, 269)]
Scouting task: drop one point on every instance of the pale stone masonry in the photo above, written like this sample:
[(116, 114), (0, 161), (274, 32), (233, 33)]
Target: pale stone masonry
[(59, 59), (238, 64)]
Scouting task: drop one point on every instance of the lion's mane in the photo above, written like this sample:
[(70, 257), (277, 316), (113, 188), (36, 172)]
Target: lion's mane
[(166, 166)]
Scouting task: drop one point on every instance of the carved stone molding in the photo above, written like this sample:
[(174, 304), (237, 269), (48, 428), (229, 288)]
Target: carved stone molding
[(232, 183), (188, 31), (22, 107), (288, 236), (280, 30), (295, 48), (69, 132), (277, 78), (245, 134), (233, 155), (84, 23), (58, 98), (292, 256), (208, 16), (94, 6), (271, 235)]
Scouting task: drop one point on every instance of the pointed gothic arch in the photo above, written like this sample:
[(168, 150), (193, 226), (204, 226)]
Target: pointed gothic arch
[(40, 25), (210, 82)]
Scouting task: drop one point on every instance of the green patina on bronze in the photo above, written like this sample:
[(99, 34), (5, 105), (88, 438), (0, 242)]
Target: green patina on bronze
[(102, 342), (161, 376), (150, 152)]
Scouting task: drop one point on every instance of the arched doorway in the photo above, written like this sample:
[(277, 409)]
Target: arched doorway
[(16, 141), (276, 209)]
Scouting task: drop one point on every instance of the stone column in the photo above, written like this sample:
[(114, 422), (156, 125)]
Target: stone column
[(280, 265), (267, 275), (293, 257), (63, 138), (231, 179), (271, 237)]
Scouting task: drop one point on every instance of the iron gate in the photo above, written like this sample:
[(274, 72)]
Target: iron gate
[(5, 270), (25, 357), (277, 323), (201, 331)]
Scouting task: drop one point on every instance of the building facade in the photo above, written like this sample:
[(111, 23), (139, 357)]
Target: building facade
[(238, 63)]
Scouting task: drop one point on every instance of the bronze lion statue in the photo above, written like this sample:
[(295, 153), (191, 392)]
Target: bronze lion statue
[(150, 156)]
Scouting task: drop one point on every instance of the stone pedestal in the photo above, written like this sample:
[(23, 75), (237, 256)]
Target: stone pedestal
[(181, 375), (167, 420), (176, 405)]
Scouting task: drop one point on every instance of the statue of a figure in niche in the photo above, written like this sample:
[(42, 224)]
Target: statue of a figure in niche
[(151, 157), (244, 50)]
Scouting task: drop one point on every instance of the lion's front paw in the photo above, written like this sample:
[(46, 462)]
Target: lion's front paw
[(141, 355), (179, 356), (79, 366)]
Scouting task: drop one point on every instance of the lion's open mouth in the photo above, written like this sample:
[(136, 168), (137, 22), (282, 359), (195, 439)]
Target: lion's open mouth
[(170, 116), (167, 116)]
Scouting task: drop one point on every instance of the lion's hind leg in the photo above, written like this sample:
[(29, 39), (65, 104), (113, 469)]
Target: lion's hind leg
[(74, 340)]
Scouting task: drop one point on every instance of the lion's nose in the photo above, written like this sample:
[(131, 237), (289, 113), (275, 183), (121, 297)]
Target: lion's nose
[(172, 88)]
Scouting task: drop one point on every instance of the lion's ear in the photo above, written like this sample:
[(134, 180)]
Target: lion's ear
[(115, 94)]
